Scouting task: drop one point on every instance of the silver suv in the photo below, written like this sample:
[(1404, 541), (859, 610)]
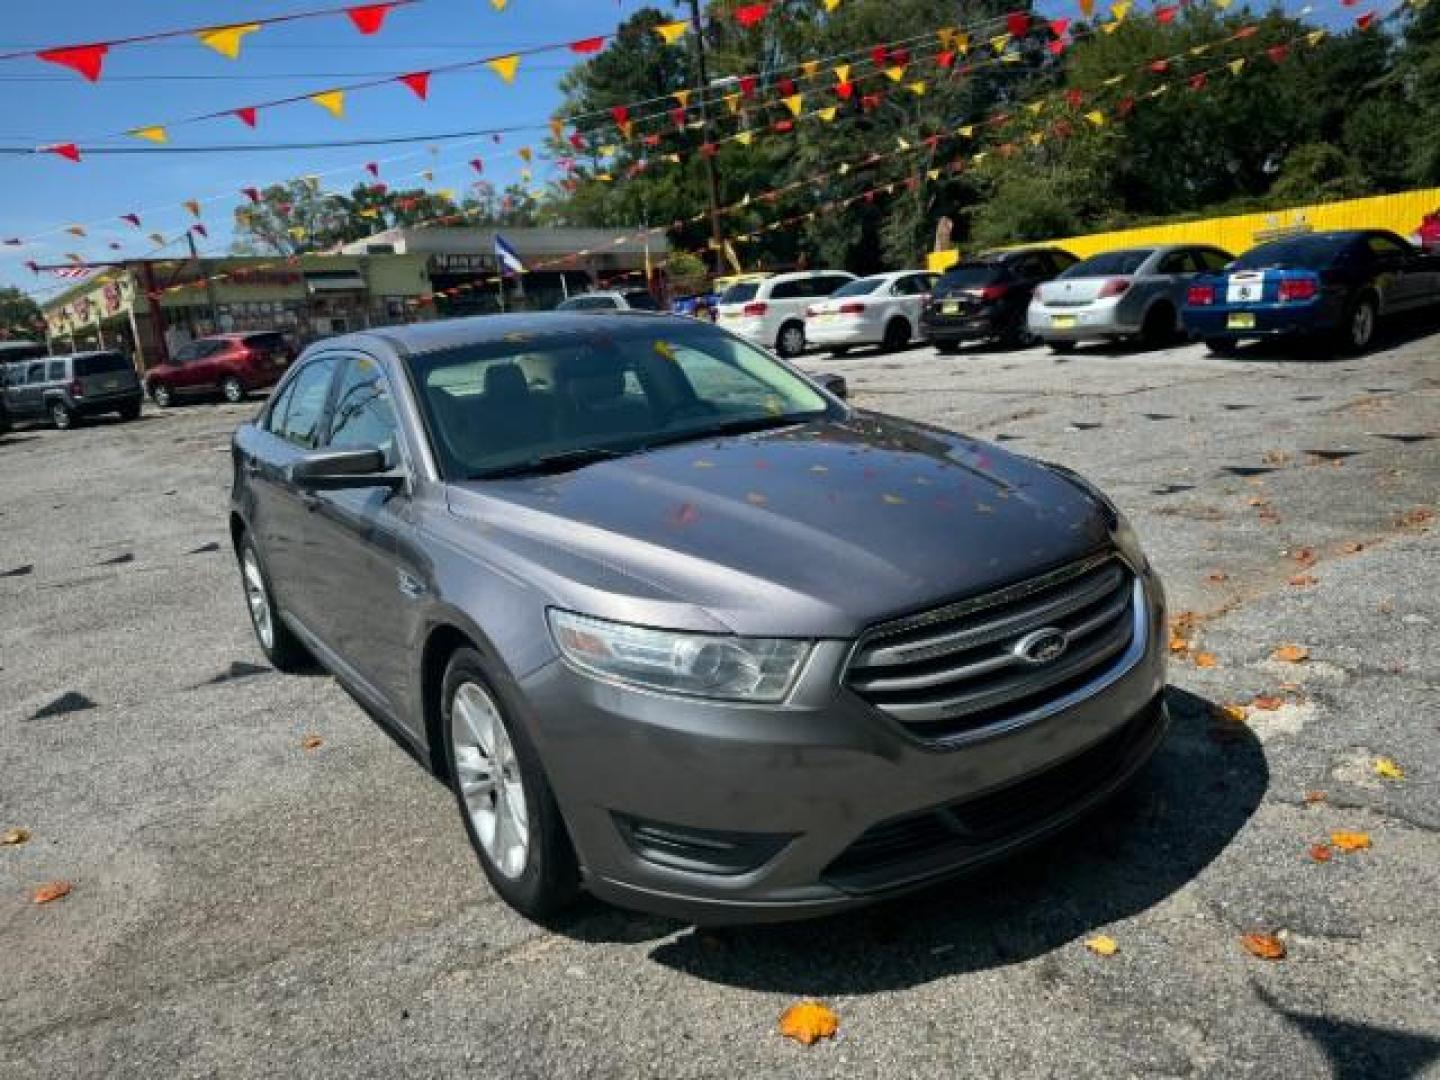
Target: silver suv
[(65, 388)]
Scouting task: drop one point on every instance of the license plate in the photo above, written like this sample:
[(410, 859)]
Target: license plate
[(1062, 322), (1240, 320), (950, 308)]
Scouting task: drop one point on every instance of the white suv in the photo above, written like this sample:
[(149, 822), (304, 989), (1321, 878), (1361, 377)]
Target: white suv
[(771, 313)]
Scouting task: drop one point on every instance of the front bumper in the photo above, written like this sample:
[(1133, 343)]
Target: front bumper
[(810, 784)]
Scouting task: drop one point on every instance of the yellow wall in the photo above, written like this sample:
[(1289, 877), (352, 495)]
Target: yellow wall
[(1400, 213)]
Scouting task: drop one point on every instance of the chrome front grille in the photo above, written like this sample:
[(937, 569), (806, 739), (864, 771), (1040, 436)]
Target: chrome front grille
[(980, 662)]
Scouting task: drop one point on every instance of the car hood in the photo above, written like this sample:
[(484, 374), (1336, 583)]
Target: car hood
[(817, 530)]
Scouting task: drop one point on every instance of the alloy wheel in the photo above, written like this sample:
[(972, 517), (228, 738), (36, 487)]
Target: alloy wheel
[(1362, 324), (490, 782), (233, 390), (258, 600), (60, 416), (161, 394), (792, 341)]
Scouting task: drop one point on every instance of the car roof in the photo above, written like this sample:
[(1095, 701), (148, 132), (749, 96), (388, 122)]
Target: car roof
[(801, 275), (428, 337)]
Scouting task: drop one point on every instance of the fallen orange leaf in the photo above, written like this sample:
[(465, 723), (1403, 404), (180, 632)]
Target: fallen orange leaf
[(311, 742), (1350, 841), (1178, 644), (1321, 852), (807, 1022), (1267, 702), (15, 836), (1102, 945), (1206, 660), (1265, 946), (53, 890), (1291, 654), (1315, 796), (1302, 580), (1234, 713), (1217, 576)]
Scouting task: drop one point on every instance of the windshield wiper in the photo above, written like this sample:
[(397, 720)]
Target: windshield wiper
[(730, 427), (562, 461)]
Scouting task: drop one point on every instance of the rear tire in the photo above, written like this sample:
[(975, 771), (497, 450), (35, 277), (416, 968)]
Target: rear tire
[(1158, 329), (61, 416), (790, 342), (897, 335), (505, 801), (280, 646), (232, 389), (162, 395), (1222, 346), (130, 412)]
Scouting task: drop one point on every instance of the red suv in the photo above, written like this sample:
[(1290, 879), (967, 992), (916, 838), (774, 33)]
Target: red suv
[(230, 364)]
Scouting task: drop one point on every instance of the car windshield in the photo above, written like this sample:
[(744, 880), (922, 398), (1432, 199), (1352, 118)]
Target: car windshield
[(740, 292), (863, 287), (547, 401), (967, 275), (1313, 252), (1109, 264)]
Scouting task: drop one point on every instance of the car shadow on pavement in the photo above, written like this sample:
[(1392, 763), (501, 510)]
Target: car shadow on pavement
[(1359, 1051), (1153, 838)]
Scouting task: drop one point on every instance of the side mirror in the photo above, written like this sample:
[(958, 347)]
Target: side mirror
[(835, 384), (340, 470)]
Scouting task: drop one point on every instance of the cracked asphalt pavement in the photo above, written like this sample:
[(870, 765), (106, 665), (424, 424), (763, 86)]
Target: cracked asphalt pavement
[(243, 906)]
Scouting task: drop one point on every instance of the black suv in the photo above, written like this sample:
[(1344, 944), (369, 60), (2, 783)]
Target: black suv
[(986, 298), (65, 388)]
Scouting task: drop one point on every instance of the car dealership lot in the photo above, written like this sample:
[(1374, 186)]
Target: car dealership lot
[(243, 905)]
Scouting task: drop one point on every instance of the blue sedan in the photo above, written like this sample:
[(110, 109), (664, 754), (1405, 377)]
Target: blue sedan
[(1334, 283)]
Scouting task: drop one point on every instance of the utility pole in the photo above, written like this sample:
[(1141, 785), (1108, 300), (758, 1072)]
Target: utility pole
[(209, 284), (712, 174)]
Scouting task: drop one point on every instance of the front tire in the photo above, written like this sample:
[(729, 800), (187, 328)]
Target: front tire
[(162, 395), (790, 342), (130, 412), (232, 389), (280, 646), (61, 416), (1361, 317), (505, 801)]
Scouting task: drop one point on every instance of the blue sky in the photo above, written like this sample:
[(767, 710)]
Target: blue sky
[(46, 104)]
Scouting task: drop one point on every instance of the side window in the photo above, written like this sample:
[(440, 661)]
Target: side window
[(364, 414), (55, 371), (1212, 259), (1062, 261), (185, 353), (35, 374), (304, 407)]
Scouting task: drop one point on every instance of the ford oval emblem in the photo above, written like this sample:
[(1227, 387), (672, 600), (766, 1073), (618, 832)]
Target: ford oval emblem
[(1042, 646)]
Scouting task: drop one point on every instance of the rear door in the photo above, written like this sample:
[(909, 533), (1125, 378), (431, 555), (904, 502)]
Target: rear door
[(185, 369), (29, 396)]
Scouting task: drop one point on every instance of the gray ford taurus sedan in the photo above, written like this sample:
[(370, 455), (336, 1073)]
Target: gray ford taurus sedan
[(680, 626)]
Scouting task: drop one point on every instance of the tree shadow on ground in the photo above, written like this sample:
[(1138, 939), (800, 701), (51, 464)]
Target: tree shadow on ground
[(1359, 1051), (1149, 841)]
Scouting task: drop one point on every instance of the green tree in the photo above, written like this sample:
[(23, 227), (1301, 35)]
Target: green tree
[(20, 316)]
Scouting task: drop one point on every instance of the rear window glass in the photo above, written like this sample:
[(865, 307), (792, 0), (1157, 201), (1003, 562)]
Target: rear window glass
[(968, 274), (100, 364), (863, 287), (1111, 262), (641, 301), (740, 292), (265, 341), (1305, 251)]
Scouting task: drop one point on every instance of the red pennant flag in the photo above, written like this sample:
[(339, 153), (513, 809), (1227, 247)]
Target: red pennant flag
[(1159, 67), (419, 82), (1124, 107), (577, 140), (1016, 23), (945, 59), (869, 102), (200, 230), (845, 89), (900, 57), (1364, 22), (1197, 81), (879, 55), (1278, 53), (372, 168), (677, 115), (786, 86), (477, 164), (368, 18), (708, 149), (585, 46), (69, 151), (87, 60), (1166, 14), (133, 219), (620, 114), (747, 85), (253, 194), (784, 125), (1349, 3), (1056, 47), (1059, 26), (1074, 97), (246, 115), (751, 14), (651, 140)]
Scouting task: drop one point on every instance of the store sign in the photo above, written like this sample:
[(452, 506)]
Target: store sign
[(462, 263), (111, 297)]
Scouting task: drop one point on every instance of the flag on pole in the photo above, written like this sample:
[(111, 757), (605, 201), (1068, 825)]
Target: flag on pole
[(508, 258)]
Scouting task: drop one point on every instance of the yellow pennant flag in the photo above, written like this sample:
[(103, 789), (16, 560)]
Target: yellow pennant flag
[(1222, 4), (1110, 27), (901, 144), (732, 102), (683, 97), (918, 88), (607, 178), (978, 158), (505, 66), (499, 5), (76, 230), (795, 102), (155, 134), (744, 138), (1200, 50), (827, 114), (671, 32), (1314, 37), (999, 41), (1120, 10), (810, 67), (961, 42), (1037, 137), (1236, 66), (226, 40), (1035, 106), (608, 150), (1097, 118), (968, 131), (831, 5), (895, 74), (297, 231), (526, 153), (627, 128), (369, 211), (842, 73), (557, 127), (332, 101), (448, 194), (932, 174)]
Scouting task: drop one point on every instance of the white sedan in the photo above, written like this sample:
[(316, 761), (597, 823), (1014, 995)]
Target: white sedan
[(883, 309)]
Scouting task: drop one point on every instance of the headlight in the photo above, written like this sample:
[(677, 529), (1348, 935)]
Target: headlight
[(705, 665)]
